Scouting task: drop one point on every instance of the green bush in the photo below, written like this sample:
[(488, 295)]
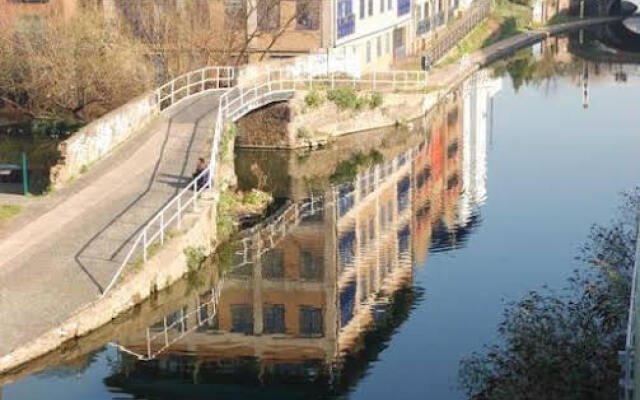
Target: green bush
[(313, 99), (344, 98), (375, 100)]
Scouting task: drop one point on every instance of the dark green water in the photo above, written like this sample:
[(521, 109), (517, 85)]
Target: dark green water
[(387, 282)]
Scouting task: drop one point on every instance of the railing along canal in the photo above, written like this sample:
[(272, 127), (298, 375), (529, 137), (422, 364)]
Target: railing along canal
[(272, 84), (628, 355), (460, 28)]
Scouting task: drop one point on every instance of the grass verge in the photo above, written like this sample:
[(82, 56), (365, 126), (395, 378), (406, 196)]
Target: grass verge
[(8, 211)]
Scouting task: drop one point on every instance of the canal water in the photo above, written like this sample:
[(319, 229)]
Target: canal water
[(394, 255)]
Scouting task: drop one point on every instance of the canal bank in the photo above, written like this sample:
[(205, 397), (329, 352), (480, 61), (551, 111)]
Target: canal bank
[(7, 363)]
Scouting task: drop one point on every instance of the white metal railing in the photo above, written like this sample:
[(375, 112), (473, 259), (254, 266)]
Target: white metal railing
[(234, 103), (186, 85), (627, 355)]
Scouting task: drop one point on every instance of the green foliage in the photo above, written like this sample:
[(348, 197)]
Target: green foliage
[(376, 100), (344, 98), (7, 211), (226, 224), (348, 99), (228, 136), (195, 257), (347, 170), (564, 344), (313, 99)]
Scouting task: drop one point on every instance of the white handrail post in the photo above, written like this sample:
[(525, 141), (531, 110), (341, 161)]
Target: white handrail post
[(166, 333), (162, 227), (195, 194), (333, 79), (179, 212), (148, 344), (188, 83), (173, 91), (202, 78), (144, 245)]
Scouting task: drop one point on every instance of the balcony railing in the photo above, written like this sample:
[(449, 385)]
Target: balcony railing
[(423, 27), (346, 25)]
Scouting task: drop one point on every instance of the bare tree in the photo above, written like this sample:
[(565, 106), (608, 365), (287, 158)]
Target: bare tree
[(79, 69)]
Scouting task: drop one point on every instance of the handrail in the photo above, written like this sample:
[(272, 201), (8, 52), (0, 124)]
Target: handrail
[(183, 86), (628, 352), (235, 102)]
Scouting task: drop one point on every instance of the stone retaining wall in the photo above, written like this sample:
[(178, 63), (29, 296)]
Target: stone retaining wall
[(97, 139)]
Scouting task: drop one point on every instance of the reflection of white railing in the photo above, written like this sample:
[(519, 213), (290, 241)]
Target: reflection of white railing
[(628, 354), (238, 101)]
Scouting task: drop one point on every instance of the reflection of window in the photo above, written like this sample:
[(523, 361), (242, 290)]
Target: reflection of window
[(382, 6), (403, 239), (273, 264), (311, 321), (345, 246), (379, 46), (268, 15), (274, 318), (307, 14), (372, 228), (370, 8), (312, 267), (242, 318), (177, 321), (361, 9), (347, 300), (403, 194)]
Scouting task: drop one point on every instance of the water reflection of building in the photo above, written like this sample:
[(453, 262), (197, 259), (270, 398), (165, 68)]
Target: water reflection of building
[(477, 93), (297, 312)]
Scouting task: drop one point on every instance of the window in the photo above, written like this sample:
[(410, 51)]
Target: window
[(312, 267), (382, 5), (363, 189), (379, 46), (372, 228), (273, 318), (268, 15), (311, 321), (404, 7), (390, 5), (273, 264), (346, 19), (388, 43), (361, 9), (242, 318), (308, 15), (370, 8)]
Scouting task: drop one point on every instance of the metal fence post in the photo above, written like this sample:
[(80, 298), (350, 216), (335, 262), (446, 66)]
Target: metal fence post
[(172, 91), (25, 174), (144, 245)]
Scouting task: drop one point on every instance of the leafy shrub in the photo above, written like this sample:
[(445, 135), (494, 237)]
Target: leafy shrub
[(344, 98), (375, 100), (313, 99)]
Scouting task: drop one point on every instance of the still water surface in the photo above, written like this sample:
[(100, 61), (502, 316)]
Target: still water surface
[(380, 283)]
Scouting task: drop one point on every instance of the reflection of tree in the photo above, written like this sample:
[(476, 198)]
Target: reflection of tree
[(563, 345)]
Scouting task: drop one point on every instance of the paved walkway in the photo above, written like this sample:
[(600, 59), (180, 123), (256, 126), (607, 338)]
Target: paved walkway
[(69, 253)]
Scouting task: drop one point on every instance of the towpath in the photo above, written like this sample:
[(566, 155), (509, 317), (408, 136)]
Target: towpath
[(66, 256)]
